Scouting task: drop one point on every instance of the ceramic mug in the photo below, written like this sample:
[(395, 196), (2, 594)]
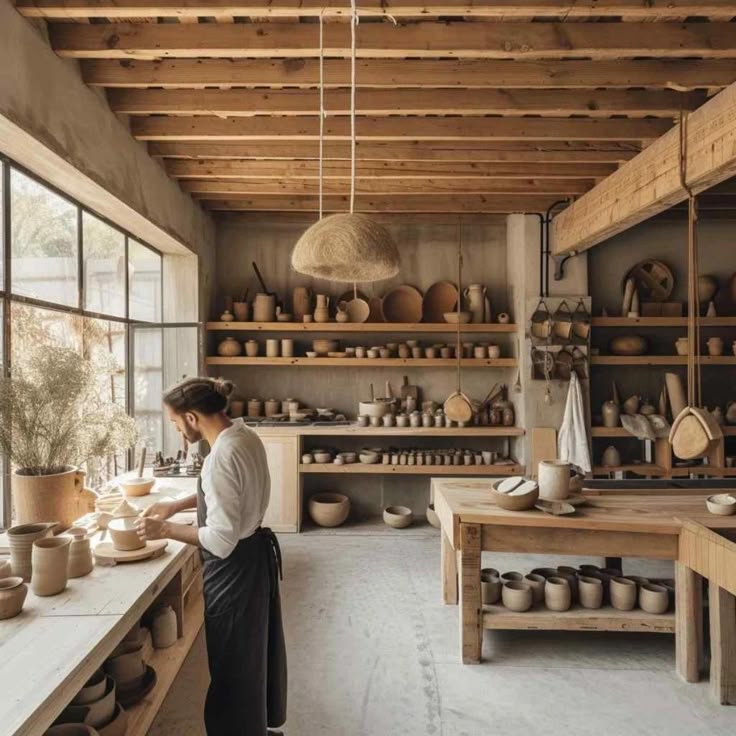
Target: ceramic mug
[(272, 348), (362, 420), (494, 351), (287, 348), (416, 352)]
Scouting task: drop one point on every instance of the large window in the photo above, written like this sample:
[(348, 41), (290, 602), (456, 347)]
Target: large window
[(69, 278)]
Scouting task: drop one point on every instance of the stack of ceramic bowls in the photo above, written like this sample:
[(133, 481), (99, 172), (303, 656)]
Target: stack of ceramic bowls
[(95, 707), (134, 679)]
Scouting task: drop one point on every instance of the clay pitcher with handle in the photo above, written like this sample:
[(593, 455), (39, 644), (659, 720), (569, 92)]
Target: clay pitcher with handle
[(475, 301)]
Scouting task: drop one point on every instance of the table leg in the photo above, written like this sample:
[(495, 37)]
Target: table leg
[(722, 645), (688, 622), (471, 622), (448, 572)]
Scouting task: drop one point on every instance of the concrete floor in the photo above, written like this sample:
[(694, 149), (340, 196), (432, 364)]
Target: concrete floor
[(373, 652)]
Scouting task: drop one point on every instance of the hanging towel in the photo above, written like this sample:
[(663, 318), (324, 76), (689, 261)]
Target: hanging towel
[(572, 440)]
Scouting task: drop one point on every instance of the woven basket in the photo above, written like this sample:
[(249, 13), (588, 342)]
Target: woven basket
[(346, 248)]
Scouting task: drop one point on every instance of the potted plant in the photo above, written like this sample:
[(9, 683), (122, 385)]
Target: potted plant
[(55, 418)]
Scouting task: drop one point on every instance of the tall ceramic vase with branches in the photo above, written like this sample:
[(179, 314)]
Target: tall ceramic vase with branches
[(54, 419)]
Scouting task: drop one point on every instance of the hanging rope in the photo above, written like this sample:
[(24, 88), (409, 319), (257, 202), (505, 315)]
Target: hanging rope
[(353, 34), (458, 352), (322, 113)]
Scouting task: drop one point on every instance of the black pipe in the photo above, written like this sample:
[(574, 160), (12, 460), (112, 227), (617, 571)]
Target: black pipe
[(548, 217), (541, 252)]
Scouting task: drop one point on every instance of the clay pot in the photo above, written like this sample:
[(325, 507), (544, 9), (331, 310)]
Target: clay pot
[(229, 348), (322, 346), (287, 348), (21, 539), (611, 414), (227, 316), (545, 572), (557, 594), (251, 348), (50, 565), (731, 412), (94, 713), (255, 408), (272, 348), (124, 535), (707, 288), (611, 457), (623, 594), (242, 311), (329, 509), (536, 582), (164, 630), (628, 345), (60, 497), (264, 308), (571, 575), (590, 591), (503, 318), (271, 407), (93, 689), (715, 346), (81, 561), (681, 345), (553, 477), (631, 405), (490, 586), (118, 726), (398, 517), (126, 668), (13, 592), (517, 596)]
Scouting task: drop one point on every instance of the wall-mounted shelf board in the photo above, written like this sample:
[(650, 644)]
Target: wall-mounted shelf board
[(380, 469), (646, 469), (367, 362), (661, 322), (660, 360), (650, 470), (355, 430), (610, 432), (362, 327)]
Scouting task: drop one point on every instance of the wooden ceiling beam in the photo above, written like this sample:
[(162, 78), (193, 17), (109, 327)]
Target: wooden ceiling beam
[(384, 40), (161, 128), (500, 9), (651, 182), (457, 151), (403, 170), (677, 74), (417, 204), (551, 103)]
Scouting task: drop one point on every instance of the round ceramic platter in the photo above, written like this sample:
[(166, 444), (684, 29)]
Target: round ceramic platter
[(403, 304), (439, 298), (358, 310), (106, 553)]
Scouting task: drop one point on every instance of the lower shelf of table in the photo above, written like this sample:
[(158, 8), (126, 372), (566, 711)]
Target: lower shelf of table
[(579, 619), (381, 469)]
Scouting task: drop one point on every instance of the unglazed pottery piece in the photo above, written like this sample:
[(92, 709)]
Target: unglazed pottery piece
[(81, 562), (241, 310), (517, 596), (94, 713), (715, 346), (490, 586), (398, 517), (611, 457), (118, 726), (628, 345), (432, 517), (557, 594), (229, 348), (545, 572), (301, 302), (126, 668), (50, 565), (590, 591), (520, 498), (124, 535), (136, 487), (93, 689), (13, 592), (653, 598), (129, 694), (71, 729), (536, 582), (722, 504), (6, 569), (623, 593), (440, 298), (164, 628), (403, 305), (512, 577), (329, 509), (611, 414), (553, 477), (264, 308), (20, 540), (454, 318)]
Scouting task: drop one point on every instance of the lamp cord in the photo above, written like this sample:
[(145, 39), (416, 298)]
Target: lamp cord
[(458, 353), (321, 110), (353, 33)]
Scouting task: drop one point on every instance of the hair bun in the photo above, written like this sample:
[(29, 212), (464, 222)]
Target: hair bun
[(223, 387)]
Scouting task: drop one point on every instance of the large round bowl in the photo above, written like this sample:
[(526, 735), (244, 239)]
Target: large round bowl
[(398, 517), (521, 498), (329, 509), (137, 486)]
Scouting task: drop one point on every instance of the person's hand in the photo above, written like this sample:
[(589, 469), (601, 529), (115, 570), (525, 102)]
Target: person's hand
[(150, 528), (161, 510)]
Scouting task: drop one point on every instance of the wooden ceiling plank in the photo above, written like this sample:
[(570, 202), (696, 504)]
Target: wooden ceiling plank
[(552, 103), (650, 183), (500, 9), (384, 40), (676, 74), (458, 151), (460, 128)]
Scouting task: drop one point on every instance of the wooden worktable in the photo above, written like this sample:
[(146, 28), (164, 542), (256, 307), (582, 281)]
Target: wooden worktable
[(607, 526)]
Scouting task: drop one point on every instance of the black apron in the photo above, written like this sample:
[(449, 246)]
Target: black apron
[(245, 638)]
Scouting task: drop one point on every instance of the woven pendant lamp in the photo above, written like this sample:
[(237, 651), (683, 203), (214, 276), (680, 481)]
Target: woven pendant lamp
[(345, 247)]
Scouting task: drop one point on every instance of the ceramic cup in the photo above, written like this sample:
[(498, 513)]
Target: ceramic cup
[(536, 582), (512, 577), (517, 596), (362, 420), (490, 586), (13, 592), (307, 318), (287, 348), (388, 420), (494, 351), (404, 351), (590, 591), (479, 351), (375, 421), (360, 352), (430, 352), (251, 348), (402, 420), (623, 594), (20, 540), (50, 565), (417, 352), (272, 348), (653, 598), (557, 594), (427, 420)]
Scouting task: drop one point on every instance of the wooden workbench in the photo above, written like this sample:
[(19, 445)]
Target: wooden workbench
[(607, 526)]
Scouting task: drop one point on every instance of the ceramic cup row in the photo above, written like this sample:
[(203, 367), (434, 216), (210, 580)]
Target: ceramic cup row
[(414, 419), (375, 456), (589, 586)]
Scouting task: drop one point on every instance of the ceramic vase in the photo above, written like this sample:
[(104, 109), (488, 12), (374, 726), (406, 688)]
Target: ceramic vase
[(611, 457), (251, 348), (241, 311), (553, 477), (164, 629), (229, 347), (272, 348), (272, 406), (623, 594), (50, 561), (557, 594), (611, 414), (322, 310), (590, 591), (301, 303), (264, 308), (475, 295), (21, 539), (81, 561)]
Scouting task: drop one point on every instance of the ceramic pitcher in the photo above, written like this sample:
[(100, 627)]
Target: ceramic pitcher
[(301, 302), (322, 310), (475, 302), (50, 561)]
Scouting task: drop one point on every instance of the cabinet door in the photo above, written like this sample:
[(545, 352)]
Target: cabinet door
[(283, 510)]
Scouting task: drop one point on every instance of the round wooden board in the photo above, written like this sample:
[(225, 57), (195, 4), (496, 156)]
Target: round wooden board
[(654, 280), (439, 298), (106, 554), (689, 438), (403, 305)]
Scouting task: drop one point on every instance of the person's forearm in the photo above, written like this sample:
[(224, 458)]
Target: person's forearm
[(182, 504), (181, 533)]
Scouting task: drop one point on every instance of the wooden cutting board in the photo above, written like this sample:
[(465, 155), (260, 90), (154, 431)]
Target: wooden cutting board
[(544, 447), (106, 554)]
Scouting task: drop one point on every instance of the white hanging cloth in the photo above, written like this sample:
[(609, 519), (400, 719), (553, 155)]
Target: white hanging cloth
[(572, 440)]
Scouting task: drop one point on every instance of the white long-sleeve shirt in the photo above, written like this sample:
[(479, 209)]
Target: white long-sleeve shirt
[(236, 486)]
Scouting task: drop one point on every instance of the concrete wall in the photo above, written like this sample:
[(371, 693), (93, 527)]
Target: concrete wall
[(56, 126)]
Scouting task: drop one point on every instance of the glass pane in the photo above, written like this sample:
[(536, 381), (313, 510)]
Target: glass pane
[(33, 326), (43, 242), (148, 374), (181, 360), (144, 268), (103, 248)]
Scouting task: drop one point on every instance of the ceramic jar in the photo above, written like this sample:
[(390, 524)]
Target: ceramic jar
[(611, 414), (301, 303), (13, 592), (241, 311), (517, 596), (81, 561), (227, 316), (590, 591), (475, 296), (50, 565), (264, 308), (272, 406), (21, 539), (229, 347), (329, 509), (715, 346), (272, 348), (611, 457), (653, 598), (631, 405), (251, 348), (322, 310), (494, 351), (557, 594), (553, 477), (255, 408), (164, 629), (682, 345), (623, 594), (490, 586)]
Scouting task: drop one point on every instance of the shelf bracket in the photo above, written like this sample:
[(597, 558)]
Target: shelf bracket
[(560, 262)]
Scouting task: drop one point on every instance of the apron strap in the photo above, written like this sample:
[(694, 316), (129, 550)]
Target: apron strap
[(276, 562)]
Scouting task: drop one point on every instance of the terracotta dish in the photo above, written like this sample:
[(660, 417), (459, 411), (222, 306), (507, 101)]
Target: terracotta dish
[(403, 304), (439, 299)]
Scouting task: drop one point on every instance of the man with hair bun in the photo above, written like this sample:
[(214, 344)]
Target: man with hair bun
[(241, 561)]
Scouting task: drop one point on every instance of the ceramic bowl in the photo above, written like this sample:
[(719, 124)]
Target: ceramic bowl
[(349, 457), (311, 354), (368, 457), (322, 346), (722, 504), (124, 535), (95, 713), (322, 456), (398, 517), (328, 509), (13, 592), (517, 596), (432, 517), (512, 577), (653, 598), (557, 594), (623, 594), (93, 689), (137, 486), (521, 498), (453, 317)]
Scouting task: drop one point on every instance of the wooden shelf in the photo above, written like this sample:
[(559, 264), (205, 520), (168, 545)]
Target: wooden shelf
[(579, 619), (638, 360), (363, 327), (367, 362), (647, 469), (356, 431), (380, 469), (610, 432), (661, 321), (718, 359)]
